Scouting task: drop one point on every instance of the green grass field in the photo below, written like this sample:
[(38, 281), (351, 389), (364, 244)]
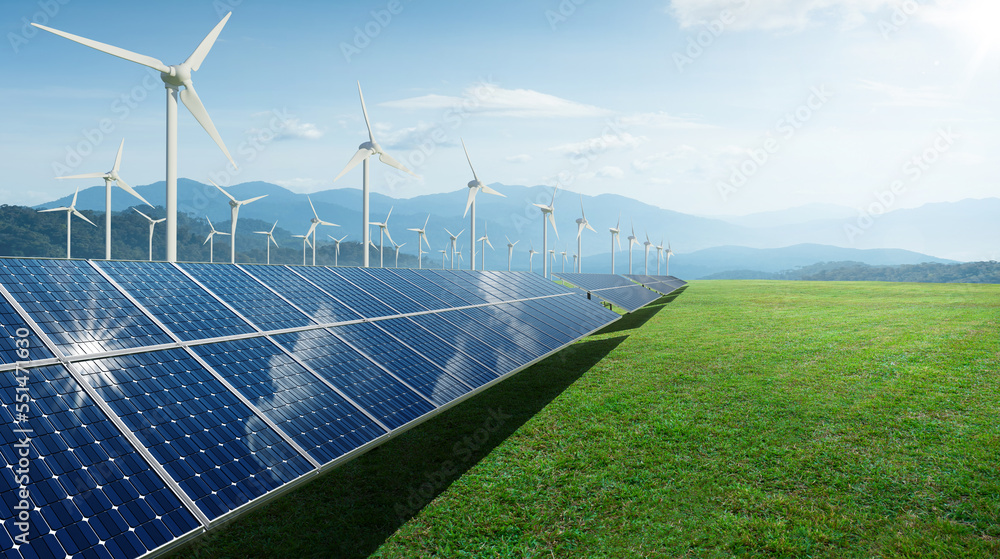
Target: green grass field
[(744, 419)]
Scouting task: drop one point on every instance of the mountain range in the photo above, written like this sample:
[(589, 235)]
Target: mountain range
[(703, 245)]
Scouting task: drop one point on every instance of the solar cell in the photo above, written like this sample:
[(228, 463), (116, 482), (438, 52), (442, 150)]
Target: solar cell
[(175, 300), (594, 282), (362, 303), (457, 363), (303, 294), (18, 342), (88, 491), (370, 280)]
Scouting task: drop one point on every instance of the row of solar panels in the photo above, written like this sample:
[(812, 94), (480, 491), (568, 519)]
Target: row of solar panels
[(163, 399), (627, 292)]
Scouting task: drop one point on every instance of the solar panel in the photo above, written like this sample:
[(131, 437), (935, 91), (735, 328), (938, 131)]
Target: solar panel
[(170, 397), (594, 282), (620, 291)]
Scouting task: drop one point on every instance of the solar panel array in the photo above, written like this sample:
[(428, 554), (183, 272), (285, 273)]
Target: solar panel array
[(663, 284), (145, 402), (620, 291)]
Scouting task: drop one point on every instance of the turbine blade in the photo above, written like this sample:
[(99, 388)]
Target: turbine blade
[(364, 110), (388, 236), (552, 219), (579, 229), (313, 207), (426, 241), (358, 158), (85, 176), (271, 237), (470, 200), (136, 211), (469, 159), (63, 209), (489, 190), (118, 158), (124, 186), (83, 217), (191, 100), (208, 238), (198, 56), (273, 226), (388, 160), (589, 227), (228, 195), (113, 51), (427, 221), (254, 199), (73, 204), (387, 216)]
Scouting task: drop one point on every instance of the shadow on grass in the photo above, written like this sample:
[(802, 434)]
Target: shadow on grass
[(351, 510)]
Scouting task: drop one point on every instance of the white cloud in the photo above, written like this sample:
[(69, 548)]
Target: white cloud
[(772, 15), (487, 99), (610, 172), (661, 120), (923, 96), (600, 144), (292, 128), (682, 152), (519, 158), (410, 137)]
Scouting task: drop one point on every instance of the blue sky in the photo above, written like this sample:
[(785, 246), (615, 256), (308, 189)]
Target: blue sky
[(702, 106)]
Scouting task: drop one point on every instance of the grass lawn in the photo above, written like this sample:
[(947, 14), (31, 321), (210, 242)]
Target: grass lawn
[(744, 419)]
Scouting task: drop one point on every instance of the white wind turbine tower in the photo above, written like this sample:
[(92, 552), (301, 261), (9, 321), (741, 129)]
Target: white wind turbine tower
[(475, 185), (109, 178), (444, 252), (305, 241), (645, 259), (397, 247), (234, 206), (564, 260), (548, 212), (209, 239), (365, 151), (152, 225), (270, 239), (383, 231), (485, 239), (70, 212), (632, 240), (666, 270), (422, 238), (313, 224), (454, 238), (510, 250), (615, 237), (174, 77), (581, 224), (458, 253), (336, 248), (531, 257), (576, 264), (552, 253), (659, 250)]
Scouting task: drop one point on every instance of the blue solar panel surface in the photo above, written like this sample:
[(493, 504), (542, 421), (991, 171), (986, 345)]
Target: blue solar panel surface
[(256, 395), (594, 282)]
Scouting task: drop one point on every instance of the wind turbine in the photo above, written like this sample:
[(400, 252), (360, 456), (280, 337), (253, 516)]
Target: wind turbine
[(313, 224), (458, 253), (209, 239), (475, 185), (397, 247), (666, 270), (444, 252), (383, 231), (659, 250), (485, 239), (152, 225), (336, 248), (510, 250), (581, 224), (365, 151), (70, 212), (453, 239), (531, 257), (576, 264), (305, 241), (110, 177), (645, 259), (234, 205), (270, 239), (565, 258), (422, 238), (615, 237), (174, 77), (548, 212), (632, 240), (552, 253)]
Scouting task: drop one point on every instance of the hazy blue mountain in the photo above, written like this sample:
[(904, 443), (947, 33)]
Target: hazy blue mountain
[(791, 216)]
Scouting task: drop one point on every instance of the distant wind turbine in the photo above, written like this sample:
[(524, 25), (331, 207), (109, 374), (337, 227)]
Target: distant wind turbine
[(454, 238), (659, 250), (366, 150), (383, 232), (444, 252), (510, 250), (531, 258), (234, 206), (109, 178), (645, 259), (485, 239), (336, 248), (581, 224), (210, 239), (564, 260), (270, 239), (421, 239), (152, 225), (670, 252), (313, 224), (397, 247), (70, 212), (548, 212), (305, 241), (615, 237), (475, 185), (632, 240), (174, 77)]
